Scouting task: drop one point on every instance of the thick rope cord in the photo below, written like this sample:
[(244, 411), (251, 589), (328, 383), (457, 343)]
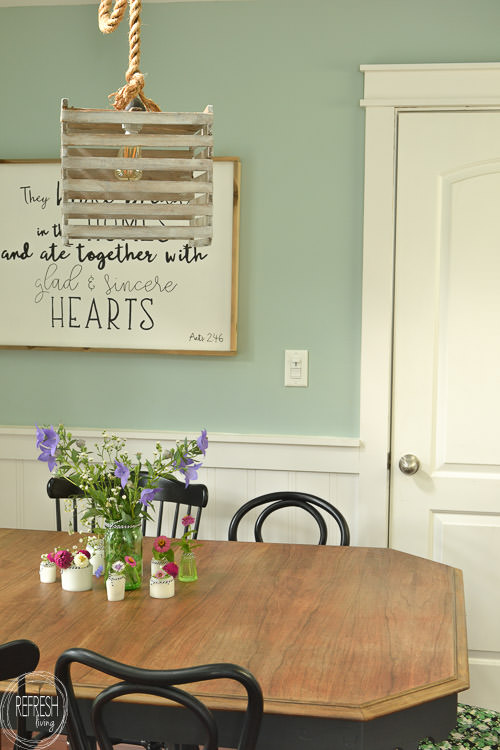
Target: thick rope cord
[(108, 22)]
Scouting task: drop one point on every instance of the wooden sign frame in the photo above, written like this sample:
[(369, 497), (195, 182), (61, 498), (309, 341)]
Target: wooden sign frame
[(150, 297)]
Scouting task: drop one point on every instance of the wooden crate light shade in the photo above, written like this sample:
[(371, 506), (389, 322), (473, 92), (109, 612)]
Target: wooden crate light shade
[(168, 155)]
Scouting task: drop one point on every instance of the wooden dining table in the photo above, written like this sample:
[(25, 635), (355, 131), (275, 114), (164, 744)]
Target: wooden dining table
[(354, 647)]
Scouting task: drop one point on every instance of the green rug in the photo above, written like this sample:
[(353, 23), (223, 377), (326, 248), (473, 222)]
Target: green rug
[(476, 728)]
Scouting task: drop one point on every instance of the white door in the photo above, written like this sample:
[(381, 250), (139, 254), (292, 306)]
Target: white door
[(446, 367)]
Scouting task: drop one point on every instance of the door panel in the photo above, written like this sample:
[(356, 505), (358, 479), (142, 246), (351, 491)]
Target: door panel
[(465, 540), (469, 318), (446, 367)]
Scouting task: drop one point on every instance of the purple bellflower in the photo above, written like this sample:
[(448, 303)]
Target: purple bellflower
[(189, 469), (122, 472), (148, 495), (47, 440), (202, 442)]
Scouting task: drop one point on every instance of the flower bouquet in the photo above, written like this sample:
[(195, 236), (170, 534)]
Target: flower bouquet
[(75, 567), (48, 568), (118, 490), (95, 545), (63, 558), (161, 583), (162, 553), (116, 580)]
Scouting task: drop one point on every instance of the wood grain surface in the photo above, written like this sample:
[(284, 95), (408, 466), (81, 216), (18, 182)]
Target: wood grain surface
[(341, 632)]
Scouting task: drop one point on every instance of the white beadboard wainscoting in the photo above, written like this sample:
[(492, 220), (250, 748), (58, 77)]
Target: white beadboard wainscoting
[(237, 468)]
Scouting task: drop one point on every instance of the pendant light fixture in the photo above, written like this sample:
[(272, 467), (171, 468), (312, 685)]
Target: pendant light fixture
[(135, 172)]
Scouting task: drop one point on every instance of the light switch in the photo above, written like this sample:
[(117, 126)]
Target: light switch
[(296, 367)]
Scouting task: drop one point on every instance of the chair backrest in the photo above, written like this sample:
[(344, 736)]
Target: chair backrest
[(172, 492), (60, 488), (17, 658), (175, 492), (162, 683), (276, 500)]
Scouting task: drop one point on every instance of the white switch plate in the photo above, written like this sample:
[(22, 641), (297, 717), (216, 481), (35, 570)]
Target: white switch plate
[(296, 367)]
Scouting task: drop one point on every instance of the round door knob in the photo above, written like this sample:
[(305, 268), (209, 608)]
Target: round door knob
[(409, 464)]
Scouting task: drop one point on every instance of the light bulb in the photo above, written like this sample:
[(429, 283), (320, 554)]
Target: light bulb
[(130, 153)]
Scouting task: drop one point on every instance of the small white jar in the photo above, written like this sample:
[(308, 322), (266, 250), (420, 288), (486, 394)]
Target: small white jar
[(75, 578), (96, 549), (156, 565), (115, 588), (48, 572), (161, 588)]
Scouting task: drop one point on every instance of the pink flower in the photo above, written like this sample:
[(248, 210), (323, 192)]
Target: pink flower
[(161, 544), (187, 520), (160, 574), (63, 558), (130, 561), (50, 557), (172, 569)]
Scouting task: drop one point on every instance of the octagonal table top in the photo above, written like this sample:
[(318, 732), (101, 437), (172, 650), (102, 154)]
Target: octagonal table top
[(340, 632)]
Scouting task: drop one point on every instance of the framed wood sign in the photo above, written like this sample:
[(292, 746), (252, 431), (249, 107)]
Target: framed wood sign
[(108, 295)]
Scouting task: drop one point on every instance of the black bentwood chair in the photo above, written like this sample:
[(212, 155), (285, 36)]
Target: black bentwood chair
[(18, 658), (162, 683), (276, 500), (174, 492)]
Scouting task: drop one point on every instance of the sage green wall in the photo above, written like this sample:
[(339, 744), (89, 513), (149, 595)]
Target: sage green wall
[(284, 80)]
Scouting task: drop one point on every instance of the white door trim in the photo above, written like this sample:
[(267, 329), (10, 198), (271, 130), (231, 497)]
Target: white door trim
[(387, 90)]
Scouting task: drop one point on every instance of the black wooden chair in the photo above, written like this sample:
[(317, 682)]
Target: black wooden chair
[(17, 658), (60, 488), (276, 500), (175, 493), (172, 492), (163, 683)]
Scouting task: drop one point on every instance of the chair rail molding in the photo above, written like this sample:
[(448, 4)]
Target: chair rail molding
[(389, 89), (237, 467)]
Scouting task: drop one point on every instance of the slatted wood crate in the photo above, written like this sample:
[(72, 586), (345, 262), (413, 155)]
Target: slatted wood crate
[(166, 159)]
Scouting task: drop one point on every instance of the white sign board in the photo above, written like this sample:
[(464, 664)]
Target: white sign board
[(163, 296)]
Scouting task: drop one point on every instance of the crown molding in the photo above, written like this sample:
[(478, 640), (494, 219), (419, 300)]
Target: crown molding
[(21, 3), (428, 85)]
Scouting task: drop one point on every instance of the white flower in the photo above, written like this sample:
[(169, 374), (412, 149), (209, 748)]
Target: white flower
[(80, 560)]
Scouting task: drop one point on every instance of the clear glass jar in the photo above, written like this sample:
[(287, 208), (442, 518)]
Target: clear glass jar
[(187, 567), (123, 542)]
